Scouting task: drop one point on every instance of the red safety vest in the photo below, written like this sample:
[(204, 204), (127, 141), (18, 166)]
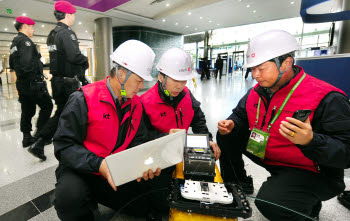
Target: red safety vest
[(163, 116), (103, 122), (308, 95)]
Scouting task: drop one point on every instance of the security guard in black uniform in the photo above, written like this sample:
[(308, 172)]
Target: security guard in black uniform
[(67, 65), (31, 86)]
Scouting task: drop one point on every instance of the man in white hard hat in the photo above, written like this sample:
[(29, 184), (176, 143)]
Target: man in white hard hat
[(101, 119), (306, 160), (169, 104)]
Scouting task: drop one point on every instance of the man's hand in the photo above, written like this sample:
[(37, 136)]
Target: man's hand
[(217, 151), (104, 171), (225, 126), (171, 131), (149, 175), (300, 134)]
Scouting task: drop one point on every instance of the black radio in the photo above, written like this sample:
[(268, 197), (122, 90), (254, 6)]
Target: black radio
[(199, 158)]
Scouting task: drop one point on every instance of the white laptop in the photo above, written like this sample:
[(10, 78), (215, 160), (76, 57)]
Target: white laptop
[(130, 164)]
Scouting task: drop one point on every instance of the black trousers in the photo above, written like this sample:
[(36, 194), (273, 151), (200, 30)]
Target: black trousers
[(231, 162), (60, 95), (296, 189), (219, 70), (205, 73), (77, 195), (246, 74), (50, 127), (29, 99)]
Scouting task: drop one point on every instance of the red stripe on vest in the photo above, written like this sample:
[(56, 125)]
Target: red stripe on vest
[(163, 115), (103, 122), (280, 151)]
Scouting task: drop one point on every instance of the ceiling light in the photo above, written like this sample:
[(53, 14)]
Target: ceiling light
[(5, 29), (176, 23), (210, 21), (292, 3), (86, 31), (42, 26), (42, 39), (79, 23), (248, 6), (24, 14), (189, 13), (163, 20), (200, 17), (196, 29), (218, 24), (14, 22), (167, 5), (254, 11), (186, 26)]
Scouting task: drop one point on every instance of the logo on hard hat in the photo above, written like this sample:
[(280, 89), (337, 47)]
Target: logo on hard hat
[(182, 70), (125, 63), (253, 55), (189, 69)]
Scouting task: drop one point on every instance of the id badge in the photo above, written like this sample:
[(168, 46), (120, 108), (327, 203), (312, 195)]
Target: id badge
[(257, 142)]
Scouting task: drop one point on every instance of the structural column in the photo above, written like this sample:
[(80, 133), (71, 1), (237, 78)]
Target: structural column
[(344, 32), (91, 66), (103, 47), (206, 44)]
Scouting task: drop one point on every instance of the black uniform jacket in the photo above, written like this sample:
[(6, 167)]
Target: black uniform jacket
[(25, 59), (71, 59)]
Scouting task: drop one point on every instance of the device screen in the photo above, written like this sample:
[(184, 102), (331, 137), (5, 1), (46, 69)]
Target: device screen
[(197, 141)]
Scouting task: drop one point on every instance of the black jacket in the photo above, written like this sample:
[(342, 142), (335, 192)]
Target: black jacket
[(198, 122), (71, 133), (219, 63), (330, 146), (25, 59), (69, 59)]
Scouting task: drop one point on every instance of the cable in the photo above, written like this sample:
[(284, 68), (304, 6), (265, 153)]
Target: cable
[(265, 201)]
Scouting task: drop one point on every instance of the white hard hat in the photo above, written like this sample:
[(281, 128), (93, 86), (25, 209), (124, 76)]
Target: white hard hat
[(269, 45), (177, 64), (135, 56)]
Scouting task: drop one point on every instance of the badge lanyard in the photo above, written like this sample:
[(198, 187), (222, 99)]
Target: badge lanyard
[(282, 106), (258, 139)]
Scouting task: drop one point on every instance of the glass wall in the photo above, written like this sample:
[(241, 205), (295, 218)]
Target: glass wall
[(235, 39)]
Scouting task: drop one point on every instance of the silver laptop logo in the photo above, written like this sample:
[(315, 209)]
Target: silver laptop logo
[(149, 161)]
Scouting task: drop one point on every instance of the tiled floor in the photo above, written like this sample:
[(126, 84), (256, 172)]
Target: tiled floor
[(26, 184)]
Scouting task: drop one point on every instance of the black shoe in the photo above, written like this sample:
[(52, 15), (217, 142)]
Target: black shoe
[(247, 185), (37, 149), (27, 140), (344, 199), (46, 142)]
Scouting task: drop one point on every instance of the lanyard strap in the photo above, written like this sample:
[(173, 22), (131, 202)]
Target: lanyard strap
[(282, 106)]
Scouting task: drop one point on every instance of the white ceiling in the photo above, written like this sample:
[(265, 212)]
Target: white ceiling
[(181, 16)]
